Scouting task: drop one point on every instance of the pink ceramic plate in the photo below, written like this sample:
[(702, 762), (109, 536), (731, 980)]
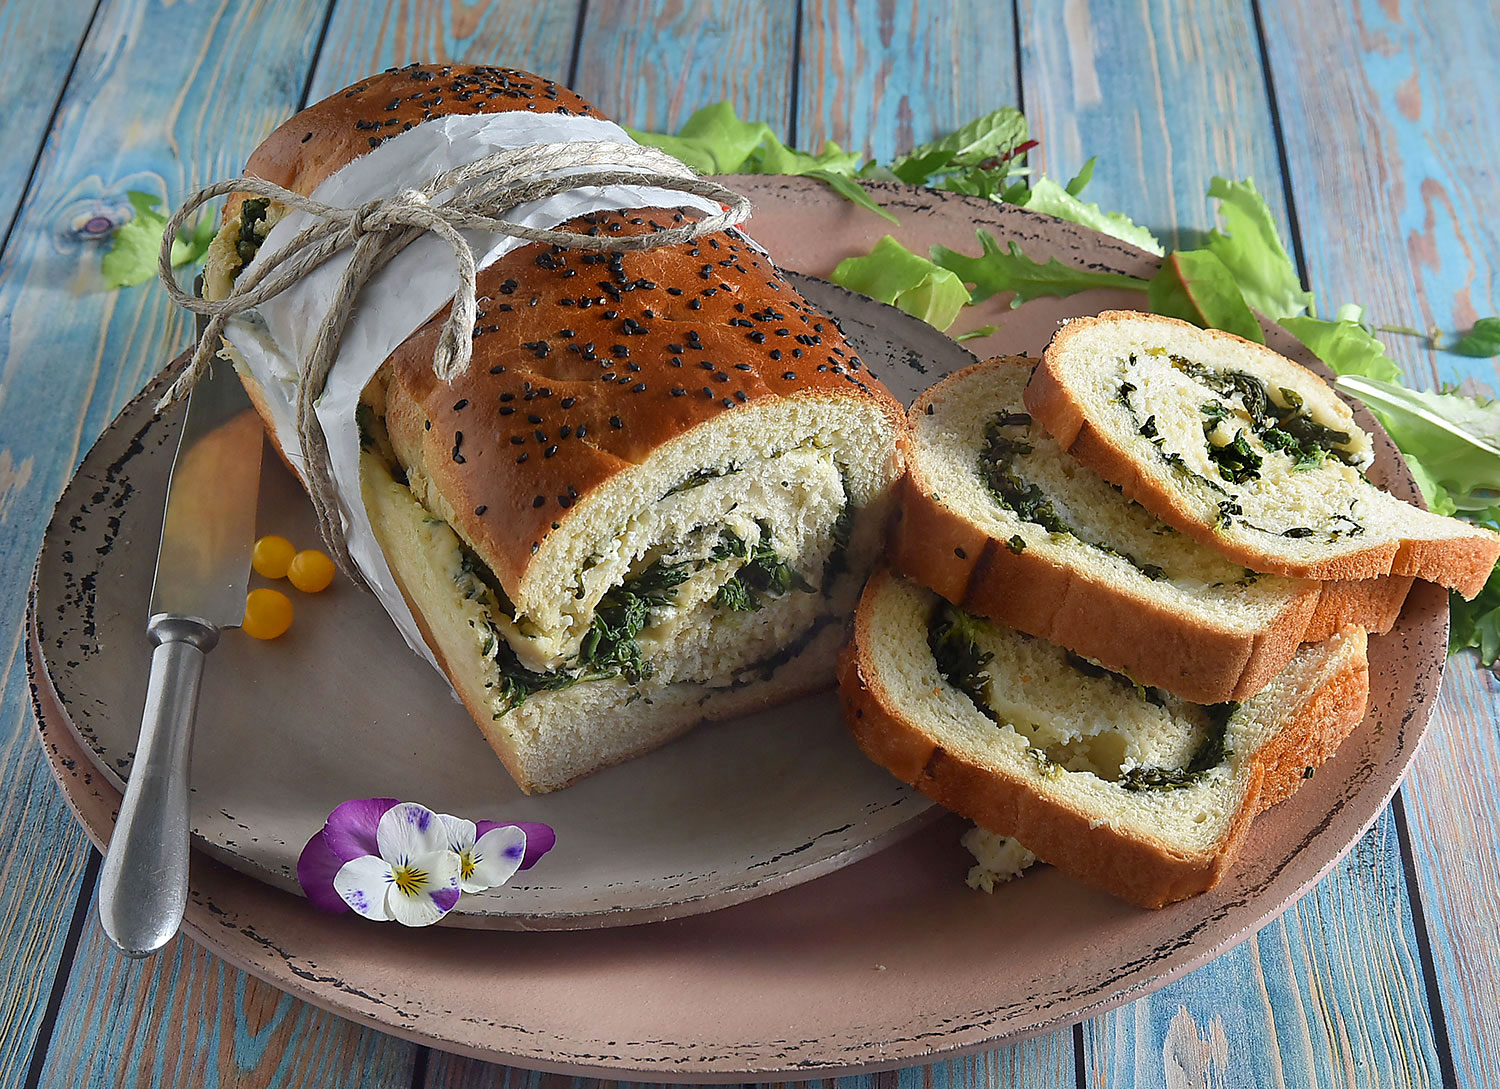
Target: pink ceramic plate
[(890, 961)]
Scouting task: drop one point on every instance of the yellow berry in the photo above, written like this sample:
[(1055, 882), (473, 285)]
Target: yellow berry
[(310, 571), (272, 556), (268, 613)]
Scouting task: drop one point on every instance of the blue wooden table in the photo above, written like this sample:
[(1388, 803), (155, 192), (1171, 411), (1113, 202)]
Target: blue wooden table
[(1372, 127)]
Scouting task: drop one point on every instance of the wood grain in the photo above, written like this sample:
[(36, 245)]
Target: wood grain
[(883, 75), (1167, 95), (365, 38), (1328, 995), (651, 63), (1396, 171), (163, 99), (37, 45), (185, 1018), (1045, 1062)]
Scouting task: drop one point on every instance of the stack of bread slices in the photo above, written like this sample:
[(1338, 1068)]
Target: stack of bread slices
[(1129, 593)]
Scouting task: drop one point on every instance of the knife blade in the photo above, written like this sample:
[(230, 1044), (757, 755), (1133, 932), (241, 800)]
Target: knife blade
[(202, 571)]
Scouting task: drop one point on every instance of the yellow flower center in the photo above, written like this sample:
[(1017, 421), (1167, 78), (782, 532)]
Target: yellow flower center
[(408, 879), (466, 865)]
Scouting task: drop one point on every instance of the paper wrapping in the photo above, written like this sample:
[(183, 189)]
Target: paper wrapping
[(404, 294)]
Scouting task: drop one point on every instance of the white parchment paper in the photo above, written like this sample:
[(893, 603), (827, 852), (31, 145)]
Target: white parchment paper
[(417, 283)]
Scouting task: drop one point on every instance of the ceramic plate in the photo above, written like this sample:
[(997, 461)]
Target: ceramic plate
[(888, 962)]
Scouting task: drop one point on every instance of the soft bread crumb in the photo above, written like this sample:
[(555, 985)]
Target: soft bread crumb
[(997, 859)]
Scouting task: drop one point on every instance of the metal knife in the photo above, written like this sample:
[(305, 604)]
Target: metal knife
[(202, 570)]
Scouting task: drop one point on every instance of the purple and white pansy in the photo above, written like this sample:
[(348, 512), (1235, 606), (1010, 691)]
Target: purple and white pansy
[(387, 859)]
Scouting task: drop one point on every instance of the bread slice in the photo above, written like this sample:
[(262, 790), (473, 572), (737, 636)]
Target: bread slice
[(1138, 793), (1241, 449), (997, 518)]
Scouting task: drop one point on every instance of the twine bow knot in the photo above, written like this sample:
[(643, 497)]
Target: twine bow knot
[(475, 196)]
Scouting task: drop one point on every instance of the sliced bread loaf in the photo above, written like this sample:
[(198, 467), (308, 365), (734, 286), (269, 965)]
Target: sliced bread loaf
[(1242, 449), (997, 518), (1128, 789)]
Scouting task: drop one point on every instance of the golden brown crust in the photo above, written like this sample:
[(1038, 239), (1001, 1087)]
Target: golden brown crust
[(348, 123), (585, 364), (1139, 871), (1371, 604), (1463, 564)]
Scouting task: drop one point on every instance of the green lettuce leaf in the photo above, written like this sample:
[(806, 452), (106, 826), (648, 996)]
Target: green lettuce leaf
[(1346, 346), (895, 275), (1482, 340), (996, 135), (1055, 200), (996, 270), (1253, 253), (1476, 624), (1195, 285), (1455, 438), (131, 258), (1079, 182), (715, 141)]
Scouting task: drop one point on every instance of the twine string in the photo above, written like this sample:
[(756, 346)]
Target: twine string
[(475, 196)]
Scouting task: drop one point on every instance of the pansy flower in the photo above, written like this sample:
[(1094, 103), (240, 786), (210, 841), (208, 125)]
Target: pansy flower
[(398, 860)]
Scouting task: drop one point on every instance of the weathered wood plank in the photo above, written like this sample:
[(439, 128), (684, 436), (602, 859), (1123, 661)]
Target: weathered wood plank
[(1396, 171), (651, 63), (37, 46), (1166, 95), (185, 1018), (163, 99), (1329, 995), (1045, 1062), (882, 75), (365, 38)]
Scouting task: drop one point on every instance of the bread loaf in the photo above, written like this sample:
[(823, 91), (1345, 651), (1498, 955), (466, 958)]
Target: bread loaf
[(654, 495)]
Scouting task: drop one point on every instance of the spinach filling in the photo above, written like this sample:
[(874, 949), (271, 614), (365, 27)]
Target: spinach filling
[(609, 649), (998, 460), (1212, 751), (960, 662), (1282, 427), (764, 573), (247, 244), (951, 637)]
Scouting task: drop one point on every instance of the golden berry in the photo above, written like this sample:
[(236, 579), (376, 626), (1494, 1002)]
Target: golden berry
[(268, 613), (272, 556), (311, 571)]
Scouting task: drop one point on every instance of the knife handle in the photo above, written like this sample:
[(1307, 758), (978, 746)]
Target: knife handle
[(144, 881)]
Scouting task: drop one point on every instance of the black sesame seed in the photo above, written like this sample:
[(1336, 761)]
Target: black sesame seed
[(790, 376), (568, 402), (539, 501), (461, 404), (479, 510), (678, 391), (518, 440), (533, 418), (960, 553), (614, 421), (746, 366), (582, 430), (521, 460), (639, 387), (739, 395), (708, 393), (507, 397), (506, 410), (929, 410), (547, 453), (427, 425)]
